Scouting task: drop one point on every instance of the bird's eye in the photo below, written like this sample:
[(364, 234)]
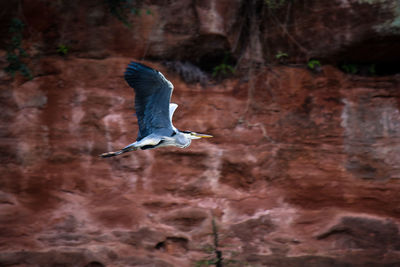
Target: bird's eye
[(173, 133)]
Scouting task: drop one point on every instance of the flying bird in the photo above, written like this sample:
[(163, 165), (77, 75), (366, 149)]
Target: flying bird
[(154, 112)]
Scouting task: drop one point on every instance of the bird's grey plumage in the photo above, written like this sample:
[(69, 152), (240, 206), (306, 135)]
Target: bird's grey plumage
[(153, 94), (154, 111)]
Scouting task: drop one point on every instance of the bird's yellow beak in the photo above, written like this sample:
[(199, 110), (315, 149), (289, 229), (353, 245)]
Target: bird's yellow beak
[(200, 135)]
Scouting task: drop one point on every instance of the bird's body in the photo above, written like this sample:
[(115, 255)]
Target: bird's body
[(154, 111)]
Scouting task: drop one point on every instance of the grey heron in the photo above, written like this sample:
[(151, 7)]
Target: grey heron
[(154, 111)]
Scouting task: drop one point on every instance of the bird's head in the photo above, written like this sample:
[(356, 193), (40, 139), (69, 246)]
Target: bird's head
[(194, 135)]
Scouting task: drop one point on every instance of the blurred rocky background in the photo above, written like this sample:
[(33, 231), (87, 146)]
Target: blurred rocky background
[(303, 99)]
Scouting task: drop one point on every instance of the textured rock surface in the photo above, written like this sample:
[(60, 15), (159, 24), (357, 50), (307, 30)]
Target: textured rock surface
[(334, 30), (303, 170), (361, 31), (309, 175)]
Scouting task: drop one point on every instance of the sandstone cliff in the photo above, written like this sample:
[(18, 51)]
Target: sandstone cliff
[(303, 170)]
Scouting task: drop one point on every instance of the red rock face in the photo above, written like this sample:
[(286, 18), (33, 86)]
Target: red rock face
[(308, 174), (303, 169)]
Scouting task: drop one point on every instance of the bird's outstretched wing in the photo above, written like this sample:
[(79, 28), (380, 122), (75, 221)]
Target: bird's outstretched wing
[(153, 94)]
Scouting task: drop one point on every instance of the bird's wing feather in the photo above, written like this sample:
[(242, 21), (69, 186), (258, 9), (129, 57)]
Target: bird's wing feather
[(153, 94), (172, 108)]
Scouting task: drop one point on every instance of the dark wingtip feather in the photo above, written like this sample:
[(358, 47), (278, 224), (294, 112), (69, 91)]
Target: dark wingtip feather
[(137, 73), (136, 67)]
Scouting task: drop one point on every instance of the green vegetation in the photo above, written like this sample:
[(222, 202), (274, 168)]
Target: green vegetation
[(360, 69), (121, 9), (62, 49), (281, 55), (350, 68), (314, 64), (224, 69), (274, 4), (372, 69), (215, 249), (15, 52)]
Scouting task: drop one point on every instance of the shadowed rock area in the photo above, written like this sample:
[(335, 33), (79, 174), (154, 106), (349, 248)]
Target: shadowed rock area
[(303, 169)]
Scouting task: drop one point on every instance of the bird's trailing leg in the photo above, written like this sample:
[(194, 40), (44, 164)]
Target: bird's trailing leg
[(119, 152), (150, 141)]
